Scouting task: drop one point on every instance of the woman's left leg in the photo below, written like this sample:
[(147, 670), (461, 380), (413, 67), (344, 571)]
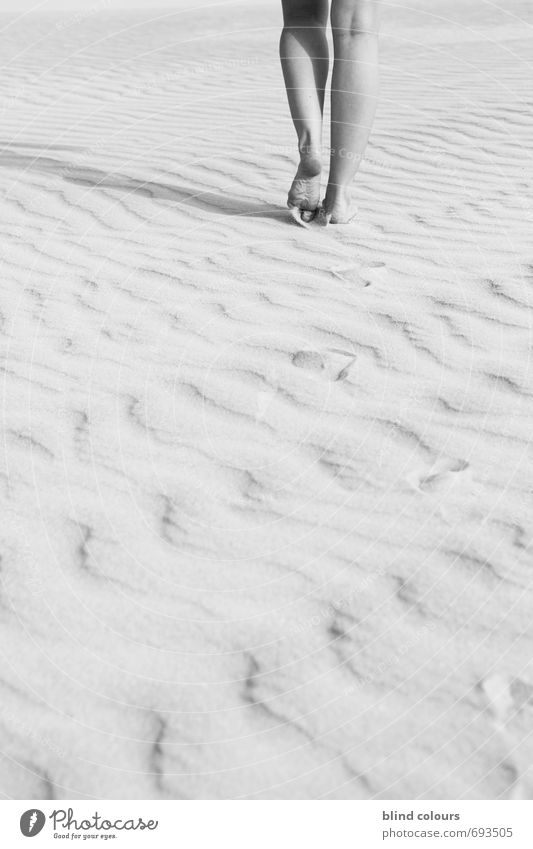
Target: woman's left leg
[(354, 96), (305, 61)]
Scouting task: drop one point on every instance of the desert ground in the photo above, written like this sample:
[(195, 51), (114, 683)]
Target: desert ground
[(266, 491)]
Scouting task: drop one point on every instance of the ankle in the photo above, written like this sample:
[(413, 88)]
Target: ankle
[(310, 159), (308, 149), (336, 195)]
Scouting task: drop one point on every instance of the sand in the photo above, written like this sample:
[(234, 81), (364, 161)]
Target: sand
[(266, 492)]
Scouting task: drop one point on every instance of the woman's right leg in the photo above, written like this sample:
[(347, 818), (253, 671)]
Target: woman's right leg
[(305, 62), (354, 96)]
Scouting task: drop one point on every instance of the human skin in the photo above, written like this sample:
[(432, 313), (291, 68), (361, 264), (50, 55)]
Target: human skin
[(354, 95)]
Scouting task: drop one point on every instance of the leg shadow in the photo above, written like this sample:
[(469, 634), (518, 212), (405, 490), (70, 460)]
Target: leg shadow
[(95, 178)]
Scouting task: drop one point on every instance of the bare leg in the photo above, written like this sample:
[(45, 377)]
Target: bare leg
[(354, 96), (305, 61)]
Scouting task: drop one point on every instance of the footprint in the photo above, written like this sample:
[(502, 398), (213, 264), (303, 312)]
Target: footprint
[(497, 690), (522, 788), (345, 370), (313, 361), (362, 275), (522, 693), (309, 360), (351, 274), (443, 474), (375, 272), (505, 698)]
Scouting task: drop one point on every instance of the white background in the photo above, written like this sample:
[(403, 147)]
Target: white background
[(343, 824)]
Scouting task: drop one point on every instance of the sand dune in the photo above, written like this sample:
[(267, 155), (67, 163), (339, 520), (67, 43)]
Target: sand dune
[(266, 493)]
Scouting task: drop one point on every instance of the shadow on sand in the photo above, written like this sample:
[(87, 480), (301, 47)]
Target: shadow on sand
[(94, 178)]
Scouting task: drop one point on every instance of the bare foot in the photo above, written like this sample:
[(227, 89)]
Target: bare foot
[(304, 193), (338, 207)]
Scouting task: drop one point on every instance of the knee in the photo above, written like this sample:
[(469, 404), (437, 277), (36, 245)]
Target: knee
[(304, 13), (354, 19)]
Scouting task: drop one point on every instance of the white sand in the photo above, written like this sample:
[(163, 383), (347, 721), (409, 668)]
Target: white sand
[(267, 499)]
